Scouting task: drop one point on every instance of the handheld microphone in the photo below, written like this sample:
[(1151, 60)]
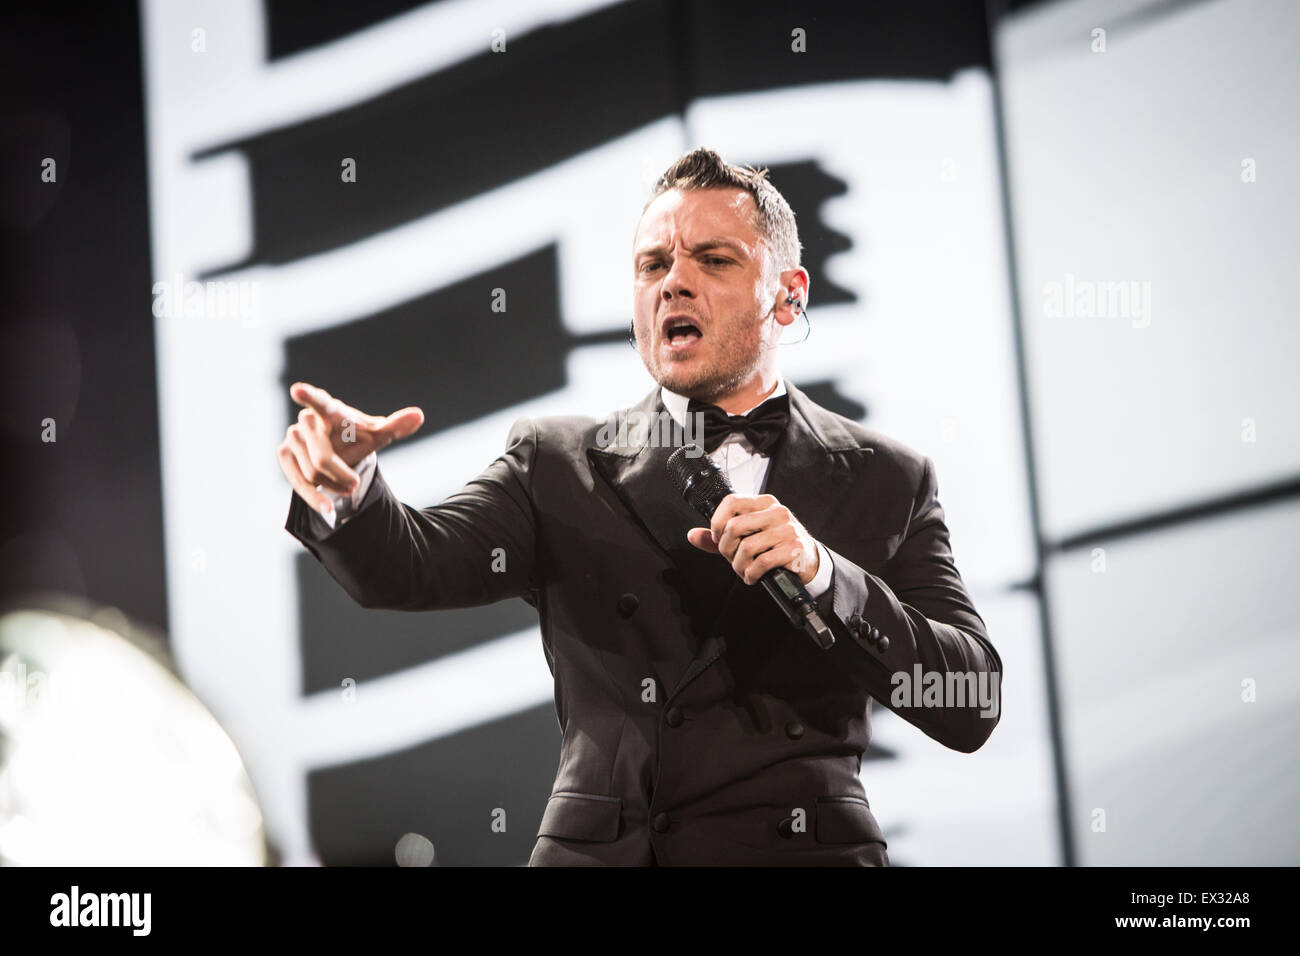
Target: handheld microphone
[(704, 486)]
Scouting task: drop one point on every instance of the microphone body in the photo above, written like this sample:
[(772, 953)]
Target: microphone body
[(704, 486)]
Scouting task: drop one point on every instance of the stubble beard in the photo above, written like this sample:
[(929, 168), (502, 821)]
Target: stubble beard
[(717, 377)]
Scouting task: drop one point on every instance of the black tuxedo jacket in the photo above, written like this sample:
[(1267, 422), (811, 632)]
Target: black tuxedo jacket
[(698, 726)]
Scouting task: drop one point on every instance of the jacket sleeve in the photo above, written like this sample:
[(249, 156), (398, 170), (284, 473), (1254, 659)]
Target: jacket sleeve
[(473, 548), (916, 643)]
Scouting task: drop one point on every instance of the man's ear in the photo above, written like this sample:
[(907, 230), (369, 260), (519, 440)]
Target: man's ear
[(794, 284)]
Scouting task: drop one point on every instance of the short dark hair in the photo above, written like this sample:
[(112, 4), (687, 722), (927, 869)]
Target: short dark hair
[(702, 168)]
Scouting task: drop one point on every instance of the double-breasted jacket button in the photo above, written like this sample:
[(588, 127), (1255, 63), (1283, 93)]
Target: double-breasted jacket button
[(854, 623), (883, 643), (627, 604), (794, 730), (661, 823), (875, 635), (673, 717), (785, 829)]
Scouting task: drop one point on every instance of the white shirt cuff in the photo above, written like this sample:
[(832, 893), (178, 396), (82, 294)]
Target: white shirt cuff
[(817, 587)]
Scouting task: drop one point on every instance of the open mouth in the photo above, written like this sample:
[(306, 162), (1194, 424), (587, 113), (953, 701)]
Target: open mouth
[(682, 334)]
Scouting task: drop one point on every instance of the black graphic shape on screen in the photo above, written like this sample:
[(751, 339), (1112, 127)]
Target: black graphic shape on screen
[(827, 394), (806, 186), (446, 351), (445, 790), (338, 638), (293, 26), (457, 133), (921, 39)]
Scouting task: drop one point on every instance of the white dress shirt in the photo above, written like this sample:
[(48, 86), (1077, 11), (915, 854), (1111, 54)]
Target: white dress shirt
[(745, 467)]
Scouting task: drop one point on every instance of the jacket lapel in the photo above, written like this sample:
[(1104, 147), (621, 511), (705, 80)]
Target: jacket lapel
[(629, 454)]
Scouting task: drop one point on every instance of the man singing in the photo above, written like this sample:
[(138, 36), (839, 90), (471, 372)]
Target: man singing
[(699, 726)]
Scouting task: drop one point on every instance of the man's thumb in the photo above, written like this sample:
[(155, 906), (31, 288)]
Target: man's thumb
[(402, 422), (702, 538)]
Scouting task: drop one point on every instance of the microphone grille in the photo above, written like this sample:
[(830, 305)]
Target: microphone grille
[(697, 479), (679, 469)]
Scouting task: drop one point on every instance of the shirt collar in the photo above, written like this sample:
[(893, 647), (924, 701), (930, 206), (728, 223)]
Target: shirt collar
[(677, 404)]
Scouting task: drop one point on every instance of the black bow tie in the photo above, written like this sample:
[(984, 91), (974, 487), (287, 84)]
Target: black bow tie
[(763, 426)]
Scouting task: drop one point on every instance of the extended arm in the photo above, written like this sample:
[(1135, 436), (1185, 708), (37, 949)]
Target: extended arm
[(473, 548)]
